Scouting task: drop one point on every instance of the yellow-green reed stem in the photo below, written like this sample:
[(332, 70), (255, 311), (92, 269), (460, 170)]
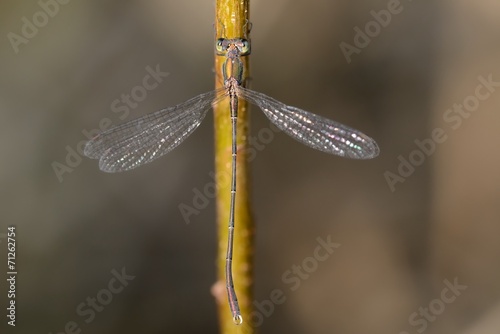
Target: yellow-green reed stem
[(232, 21)]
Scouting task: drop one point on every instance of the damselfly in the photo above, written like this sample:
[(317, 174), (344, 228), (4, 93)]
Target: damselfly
[(149, 137)]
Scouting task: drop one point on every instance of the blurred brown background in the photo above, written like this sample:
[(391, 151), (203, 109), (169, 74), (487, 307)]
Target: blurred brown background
[(401, 245)]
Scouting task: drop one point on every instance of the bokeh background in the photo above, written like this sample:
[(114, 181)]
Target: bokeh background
[(399, 244)]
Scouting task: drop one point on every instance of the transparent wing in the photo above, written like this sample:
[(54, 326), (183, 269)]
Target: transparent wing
[(149, 137), (312, 130)]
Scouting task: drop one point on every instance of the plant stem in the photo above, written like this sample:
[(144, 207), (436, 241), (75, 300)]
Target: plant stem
[(232, 21)]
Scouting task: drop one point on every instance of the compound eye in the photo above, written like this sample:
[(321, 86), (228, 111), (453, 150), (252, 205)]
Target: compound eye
[(244, 47), (219, 45)]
